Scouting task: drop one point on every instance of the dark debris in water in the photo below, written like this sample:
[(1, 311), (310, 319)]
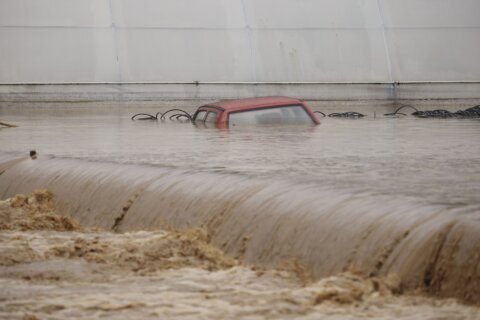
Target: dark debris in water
[(175, 114), (473, 112)]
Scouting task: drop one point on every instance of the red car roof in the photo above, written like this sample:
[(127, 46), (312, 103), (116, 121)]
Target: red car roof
[(252, 103)]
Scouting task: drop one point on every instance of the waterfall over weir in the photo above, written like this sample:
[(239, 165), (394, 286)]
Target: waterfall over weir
[(268, 222)]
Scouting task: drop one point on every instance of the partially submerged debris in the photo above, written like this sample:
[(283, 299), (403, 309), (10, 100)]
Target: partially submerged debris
[(8, 125)]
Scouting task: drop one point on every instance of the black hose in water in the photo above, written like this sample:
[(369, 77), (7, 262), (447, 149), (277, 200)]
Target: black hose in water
[(320, 112), (146, 116), (396, 112), (350, 114), (181, 114), (473, 112)]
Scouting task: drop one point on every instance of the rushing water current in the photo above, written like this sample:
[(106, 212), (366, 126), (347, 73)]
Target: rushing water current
[(354, 218), (434, 160)]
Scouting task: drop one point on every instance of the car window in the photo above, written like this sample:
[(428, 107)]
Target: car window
[(289, 115), (200, 116), (211, 116)]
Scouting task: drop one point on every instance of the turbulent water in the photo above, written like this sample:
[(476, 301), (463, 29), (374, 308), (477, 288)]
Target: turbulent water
[(90, 273), (354, 218)]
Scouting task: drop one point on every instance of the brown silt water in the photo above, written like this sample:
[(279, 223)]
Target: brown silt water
[(366, 218)]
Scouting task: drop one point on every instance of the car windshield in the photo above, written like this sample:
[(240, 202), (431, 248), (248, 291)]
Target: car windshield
[(284, 115)]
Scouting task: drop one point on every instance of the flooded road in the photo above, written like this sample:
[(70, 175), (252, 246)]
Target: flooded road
[(434, 160), (367, 218)]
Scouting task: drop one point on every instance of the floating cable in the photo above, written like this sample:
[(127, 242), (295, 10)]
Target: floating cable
[(350, 114), (320, 112), (396, 112), (473, 112), (183, 113), (161, 116), (146, 116)]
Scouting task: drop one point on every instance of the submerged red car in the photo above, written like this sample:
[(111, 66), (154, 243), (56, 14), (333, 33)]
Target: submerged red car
[(256, 111)]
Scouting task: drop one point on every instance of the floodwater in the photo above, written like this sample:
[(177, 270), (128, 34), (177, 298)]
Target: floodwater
[(434, 160), (347, 206)]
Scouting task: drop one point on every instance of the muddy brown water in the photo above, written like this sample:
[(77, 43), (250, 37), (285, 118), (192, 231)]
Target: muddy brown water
[(385, 196)]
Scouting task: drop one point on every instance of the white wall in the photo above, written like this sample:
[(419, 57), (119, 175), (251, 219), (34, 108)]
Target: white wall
[(71, 41)]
